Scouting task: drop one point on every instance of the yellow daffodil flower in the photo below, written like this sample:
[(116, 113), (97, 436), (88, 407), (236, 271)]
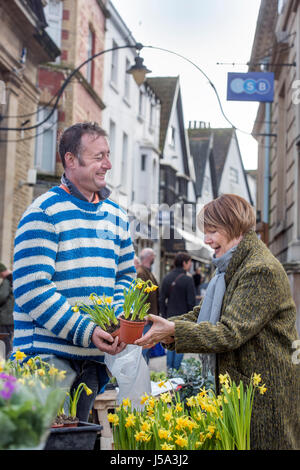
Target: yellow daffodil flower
[(130, 420), (139, 285), (153, 288), (168, 415), (163, 433), (166, 446), (178, 407), (166, 397), (88, 391), (162, 383), (144, 399), (146, 426), (256, 379), (75, 308), (262, 389), (211, 428), (223, 378), (113, 418), (126, 402), (181, 441), (19, 355)]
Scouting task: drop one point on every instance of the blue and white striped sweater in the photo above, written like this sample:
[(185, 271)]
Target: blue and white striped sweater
[(65, 249)]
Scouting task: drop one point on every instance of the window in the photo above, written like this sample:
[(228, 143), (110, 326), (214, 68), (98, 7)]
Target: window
[(114, 65), (124, 159), (143, 162), (233, 175), (172, 136), (141, 103), (90, 52), (127, 81), (112, 139), (45, 148), (53, 14), (152, 115)]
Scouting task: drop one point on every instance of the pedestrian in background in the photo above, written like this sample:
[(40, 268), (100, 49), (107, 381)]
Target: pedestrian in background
[(177, 295), (197, 280), (6, 309), (147, 258)]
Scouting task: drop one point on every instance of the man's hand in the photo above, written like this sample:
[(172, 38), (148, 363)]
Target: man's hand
[(99, 337)]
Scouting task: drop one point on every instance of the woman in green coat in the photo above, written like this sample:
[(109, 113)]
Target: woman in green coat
[(246, 322)]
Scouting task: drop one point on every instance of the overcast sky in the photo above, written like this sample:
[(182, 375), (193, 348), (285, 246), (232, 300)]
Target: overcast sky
[(207, 32)]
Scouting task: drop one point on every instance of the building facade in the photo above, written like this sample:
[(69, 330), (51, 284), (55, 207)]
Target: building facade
[(78, 29), (25, 45), (177, 191), (277, 43), (132, 120)]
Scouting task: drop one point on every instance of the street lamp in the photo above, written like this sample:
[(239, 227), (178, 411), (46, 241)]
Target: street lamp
[(138, 71)]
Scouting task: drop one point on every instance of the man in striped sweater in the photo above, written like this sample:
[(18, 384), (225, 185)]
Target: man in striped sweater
[(72, 241)]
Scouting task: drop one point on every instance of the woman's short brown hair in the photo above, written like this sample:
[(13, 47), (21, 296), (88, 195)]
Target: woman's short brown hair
[(230, 213)]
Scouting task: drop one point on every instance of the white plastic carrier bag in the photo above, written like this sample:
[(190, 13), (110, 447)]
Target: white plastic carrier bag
[(132, 374)]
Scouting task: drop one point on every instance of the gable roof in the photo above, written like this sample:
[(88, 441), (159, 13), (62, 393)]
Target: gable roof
[(199, 144), (213, 144), (165, 89), (168, 91), (199, 151)]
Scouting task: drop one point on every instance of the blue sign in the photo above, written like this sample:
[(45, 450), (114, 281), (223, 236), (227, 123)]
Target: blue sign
[(252, 86)]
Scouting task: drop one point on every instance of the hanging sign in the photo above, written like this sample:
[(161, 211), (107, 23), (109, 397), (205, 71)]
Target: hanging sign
[(252, 86)]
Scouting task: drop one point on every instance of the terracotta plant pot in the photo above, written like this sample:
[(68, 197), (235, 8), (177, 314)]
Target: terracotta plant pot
[(131, 330)]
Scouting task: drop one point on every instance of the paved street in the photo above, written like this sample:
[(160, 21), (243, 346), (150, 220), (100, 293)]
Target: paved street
[(159, 364)]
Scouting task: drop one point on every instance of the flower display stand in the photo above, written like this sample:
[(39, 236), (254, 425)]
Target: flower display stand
[(103, 403)]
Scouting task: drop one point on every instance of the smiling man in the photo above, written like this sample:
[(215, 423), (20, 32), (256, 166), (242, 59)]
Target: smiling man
[(72, 241)]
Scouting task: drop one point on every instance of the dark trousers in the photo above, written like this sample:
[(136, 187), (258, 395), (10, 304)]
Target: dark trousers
[(92, 373)]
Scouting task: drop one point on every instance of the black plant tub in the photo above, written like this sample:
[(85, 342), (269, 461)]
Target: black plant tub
[(81, 437)]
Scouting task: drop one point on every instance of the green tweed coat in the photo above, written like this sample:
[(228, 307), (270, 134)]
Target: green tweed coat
[(255, 334)]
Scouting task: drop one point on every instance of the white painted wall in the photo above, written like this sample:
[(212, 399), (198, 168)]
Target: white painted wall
[(233, 178)]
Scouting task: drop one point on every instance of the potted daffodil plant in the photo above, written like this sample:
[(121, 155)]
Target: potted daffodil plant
[(101, 312), (135, 309)]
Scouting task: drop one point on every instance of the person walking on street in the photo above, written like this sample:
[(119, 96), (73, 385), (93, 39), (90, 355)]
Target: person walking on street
[(71, 242), (6, 309), (177, 295), (147, 258)]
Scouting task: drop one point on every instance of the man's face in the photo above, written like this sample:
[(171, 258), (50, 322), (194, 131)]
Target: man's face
[(88, 172)]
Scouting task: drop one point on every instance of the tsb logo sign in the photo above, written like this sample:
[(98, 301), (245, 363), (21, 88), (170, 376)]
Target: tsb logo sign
[(255, 86)]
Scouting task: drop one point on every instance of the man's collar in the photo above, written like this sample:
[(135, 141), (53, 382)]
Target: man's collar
[(103, 194)]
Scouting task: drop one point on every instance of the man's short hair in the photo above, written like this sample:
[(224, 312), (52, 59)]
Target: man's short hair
[(180, 258), (70, 140)]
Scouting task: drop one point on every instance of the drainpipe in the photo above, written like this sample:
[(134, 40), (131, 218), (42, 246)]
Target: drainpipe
[(267, 163)]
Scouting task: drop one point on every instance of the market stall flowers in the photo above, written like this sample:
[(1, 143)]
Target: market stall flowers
[(27, 408), (205, 421)]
